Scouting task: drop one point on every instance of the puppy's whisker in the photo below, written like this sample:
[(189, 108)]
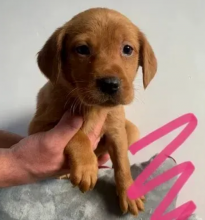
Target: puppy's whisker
[(139, 99), (72, 106), (75, 105), (78, 104), (72, 91), (138, 84), (68, 96), (86, 93)]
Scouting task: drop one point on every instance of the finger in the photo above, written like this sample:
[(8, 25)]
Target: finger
[(103, 159), (95, 133), (66, 128), (96, 144), (60, 173)]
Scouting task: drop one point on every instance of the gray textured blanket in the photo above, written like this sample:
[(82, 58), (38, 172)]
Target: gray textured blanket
[(58, 200)]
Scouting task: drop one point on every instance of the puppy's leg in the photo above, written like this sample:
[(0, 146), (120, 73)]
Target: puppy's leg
[(83, 162), (132, 131), (101, 148), (118, 150)]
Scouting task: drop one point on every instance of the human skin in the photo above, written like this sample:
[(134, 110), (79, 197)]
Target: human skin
[(41, 156)]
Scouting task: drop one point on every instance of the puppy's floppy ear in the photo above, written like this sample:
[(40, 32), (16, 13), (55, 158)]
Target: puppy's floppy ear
[(147, 60), (50, 56)]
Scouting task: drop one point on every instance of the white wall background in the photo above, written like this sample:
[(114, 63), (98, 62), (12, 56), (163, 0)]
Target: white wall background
[(176, 30)]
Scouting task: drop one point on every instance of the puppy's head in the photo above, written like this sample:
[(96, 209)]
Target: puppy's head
[(97, 54)]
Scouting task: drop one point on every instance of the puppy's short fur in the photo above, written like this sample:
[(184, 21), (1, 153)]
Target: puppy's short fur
[(91, 62)]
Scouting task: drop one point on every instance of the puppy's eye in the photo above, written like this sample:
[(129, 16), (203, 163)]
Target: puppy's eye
[(83, 50), (127, 50)]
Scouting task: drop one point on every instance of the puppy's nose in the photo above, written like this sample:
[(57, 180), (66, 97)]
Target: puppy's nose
[(109, 85)]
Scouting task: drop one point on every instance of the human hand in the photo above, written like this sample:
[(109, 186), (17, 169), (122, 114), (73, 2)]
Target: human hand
[(42, 155)]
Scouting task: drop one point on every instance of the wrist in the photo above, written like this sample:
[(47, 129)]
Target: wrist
[(33, 166), (16, 172), (11, 171)]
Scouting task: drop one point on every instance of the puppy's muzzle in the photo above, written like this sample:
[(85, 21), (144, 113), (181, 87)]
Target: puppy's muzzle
[(108, 85)]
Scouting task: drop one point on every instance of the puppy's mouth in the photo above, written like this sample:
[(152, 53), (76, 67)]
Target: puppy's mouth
[(107, 92), (97, 99), (110, 102)]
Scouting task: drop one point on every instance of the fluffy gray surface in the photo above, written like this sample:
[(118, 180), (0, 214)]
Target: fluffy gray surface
[(58, 200)]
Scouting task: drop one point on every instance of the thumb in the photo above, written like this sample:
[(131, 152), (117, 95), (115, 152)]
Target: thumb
[(66, 128)]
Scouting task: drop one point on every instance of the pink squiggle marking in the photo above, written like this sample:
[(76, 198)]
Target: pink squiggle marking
[(186, 169)]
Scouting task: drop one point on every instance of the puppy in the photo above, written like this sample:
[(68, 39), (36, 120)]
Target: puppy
[(91, 63)]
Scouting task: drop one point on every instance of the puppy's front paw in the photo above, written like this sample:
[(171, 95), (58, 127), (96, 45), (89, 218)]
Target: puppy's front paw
[(126, 204), (84, 175), (133, 206)]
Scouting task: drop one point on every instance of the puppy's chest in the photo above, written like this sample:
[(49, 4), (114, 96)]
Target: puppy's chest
[(93, 116), (113, 121), (90, 126), (92, 121)]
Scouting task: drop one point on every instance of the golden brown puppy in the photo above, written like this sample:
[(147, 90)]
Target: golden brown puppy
[(91, 63)]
